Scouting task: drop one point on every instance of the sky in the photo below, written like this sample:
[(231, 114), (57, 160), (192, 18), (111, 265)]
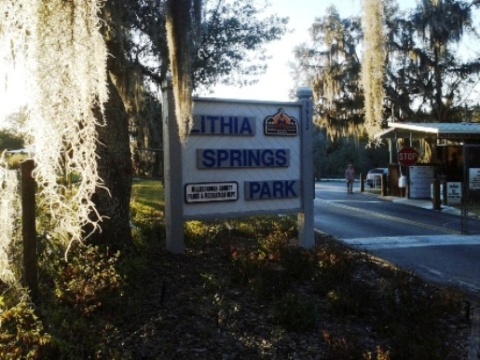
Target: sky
[(275, 84), (11, 91)]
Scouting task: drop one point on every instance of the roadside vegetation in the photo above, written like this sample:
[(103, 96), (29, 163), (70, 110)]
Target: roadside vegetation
[(242, 290)]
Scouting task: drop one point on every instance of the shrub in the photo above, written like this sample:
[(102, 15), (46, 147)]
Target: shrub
[(269, 281), (350, 299), (245, 266), (202, 233), (270, 248), (413, 309), (341, 348), (147, 224), (294, 313), (332, 270), (87, 278), (22, 335), (298, 263)]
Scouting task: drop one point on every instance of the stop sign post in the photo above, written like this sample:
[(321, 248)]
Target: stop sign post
[(407, 156)]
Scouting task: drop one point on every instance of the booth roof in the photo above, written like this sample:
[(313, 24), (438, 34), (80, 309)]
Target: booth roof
[(440, 130)]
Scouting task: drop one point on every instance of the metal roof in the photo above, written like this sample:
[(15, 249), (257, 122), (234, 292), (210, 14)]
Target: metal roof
[(457, 131)]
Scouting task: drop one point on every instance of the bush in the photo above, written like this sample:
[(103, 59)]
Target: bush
[(22, 335), (350, 299), (413, 309), (333, 270), (298, 263), (87, 279), (294, 313), (147, 224), (342, 348)]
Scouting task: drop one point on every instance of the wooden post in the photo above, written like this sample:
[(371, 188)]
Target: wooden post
[(383, 185), (436, 195), (29, 231)]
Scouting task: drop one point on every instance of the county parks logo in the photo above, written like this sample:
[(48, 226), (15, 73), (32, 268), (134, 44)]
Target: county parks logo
[(280, 124)]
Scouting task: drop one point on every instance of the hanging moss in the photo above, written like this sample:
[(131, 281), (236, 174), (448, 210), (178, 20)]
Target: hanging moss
[(180, 33), (373, 65), (65, 56), (9, 206)]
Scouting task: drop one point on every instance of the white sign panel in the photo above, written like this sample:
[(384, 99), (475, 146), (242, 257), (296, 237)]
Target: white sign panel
[(454, 193), (474, 178), (420, 180), (229, 144)]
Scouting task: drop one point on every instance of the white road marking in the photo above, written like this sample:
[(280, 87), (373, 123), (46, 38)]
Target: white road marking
[(396, 242)]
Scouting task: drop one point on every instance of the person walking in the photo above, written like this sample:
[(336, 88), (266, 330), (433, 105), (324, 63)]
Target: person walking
[(350, 178)]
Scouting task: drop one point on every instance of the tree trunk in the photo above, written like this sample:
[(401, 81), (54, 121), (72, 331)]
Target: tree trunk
[(180, 49), (115, 169), (113, 150)]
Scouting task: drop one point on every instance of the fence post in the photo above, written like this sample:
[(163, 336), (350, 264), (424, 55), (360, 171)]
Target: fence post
[(29, 232), (436, 195), (383, 184)]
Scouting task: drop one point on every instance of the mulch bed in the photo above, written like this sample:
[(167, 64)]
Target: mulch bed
[(189, 307)]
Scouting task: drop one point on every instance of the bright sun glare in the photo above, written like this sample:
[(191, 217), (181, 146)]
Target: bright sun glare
[(12, 91)]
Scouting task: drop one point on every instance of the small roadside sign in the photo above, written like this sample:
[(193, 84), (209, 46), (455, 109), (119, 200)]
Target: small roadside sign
[(407, 156), (474, 178), (211, 192)]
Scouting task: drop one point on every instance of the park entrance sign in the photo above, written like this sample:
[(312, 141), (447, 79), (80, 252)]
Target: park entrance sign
[(407, 156), (241, 158), (229, 143)]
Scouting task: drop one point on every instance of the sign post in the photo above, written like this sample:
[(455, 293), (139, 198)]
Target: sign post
[(305, 218), (173, 174)]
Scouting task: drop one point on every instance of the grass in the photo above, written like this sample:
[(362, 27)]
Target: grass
[(148, 193)]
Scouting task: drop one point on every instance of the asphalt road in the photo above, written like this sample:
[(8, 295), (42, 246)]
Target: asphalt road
[(408, 234)]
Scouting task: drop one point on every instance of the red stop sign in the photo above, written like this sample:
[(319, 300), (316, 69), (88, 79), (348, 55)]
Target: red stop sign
[(407, 156)]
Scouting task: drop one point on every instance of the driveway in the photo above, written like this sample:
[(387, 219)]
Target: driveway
[(406, 233)]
